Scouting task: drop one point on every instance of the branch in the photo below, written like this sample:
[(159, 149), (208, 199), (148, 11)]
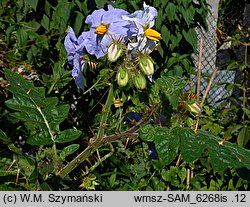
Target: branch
[(209, 86), (199, 70), (131, 132), (204, 97), (105, 112)]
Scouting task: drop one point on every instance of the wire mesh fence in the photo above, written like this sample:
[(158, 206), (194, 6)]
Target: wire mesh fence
[(218, 52)]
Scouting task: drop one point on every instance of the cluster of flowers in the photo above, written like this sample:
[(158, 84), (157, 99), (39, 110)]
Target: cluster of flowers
[(113, 33)]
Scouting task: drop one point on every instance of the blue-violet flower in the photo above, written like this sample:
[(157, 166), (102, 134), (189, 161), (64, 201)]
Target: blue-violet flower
[(105, 28), (144, 21)]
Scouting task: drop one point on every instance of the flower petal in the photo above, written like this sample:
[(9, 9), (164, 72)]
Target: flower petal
[(95, 18), (150, 13), (77, 71), (70, 43)]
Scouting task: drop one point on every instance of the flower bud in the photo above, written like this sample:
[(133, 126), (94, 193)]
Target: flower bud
[(139, 81), (114, 51), (146, 65), (122, 77)]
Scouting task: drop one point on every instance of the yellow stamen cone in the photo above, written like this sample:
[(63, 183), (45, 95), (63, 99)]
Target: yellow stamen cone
[(152, 34), (102, 29)]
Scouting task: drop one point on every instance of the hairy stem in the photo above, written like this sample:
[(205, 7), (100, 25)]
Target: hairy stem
[(105, 112), (102, 140), (97, 142), (99, 161)]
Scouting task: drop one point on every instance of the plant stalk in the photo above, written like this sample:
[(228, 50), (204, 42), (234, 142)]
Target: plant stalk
[(131, 133), (105, 112), (97, 142)]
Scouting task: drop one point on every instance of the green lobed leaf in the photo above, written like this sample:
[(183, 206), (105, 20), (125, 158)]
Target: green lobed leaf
[(220, 156), (191, 37), (100, 3), (171, 86), (3, 138), (83, 7), (63, 10), (40, 138), (175, 40), (157, 3), (157, 184), (32, 3), (243, 136), (39, 113), (22, 38), (69, 150), (14, 149), (165, 34), (171, 175), (67, 135), (167, 144), (32, 27), (186, 3), (247, 112), (45, 22), (177, 70), (170, 10), (192, 146), (26, 164), (61, 16), (147, 133), (188, 14), (226, 154), (241, 156), (171, 61), (78, 22), (47, 8), (59, 113)]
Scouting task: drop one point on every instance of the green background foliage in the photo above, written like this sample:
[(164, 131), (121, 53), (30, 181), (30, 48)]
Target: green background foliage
[(46, 123)]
